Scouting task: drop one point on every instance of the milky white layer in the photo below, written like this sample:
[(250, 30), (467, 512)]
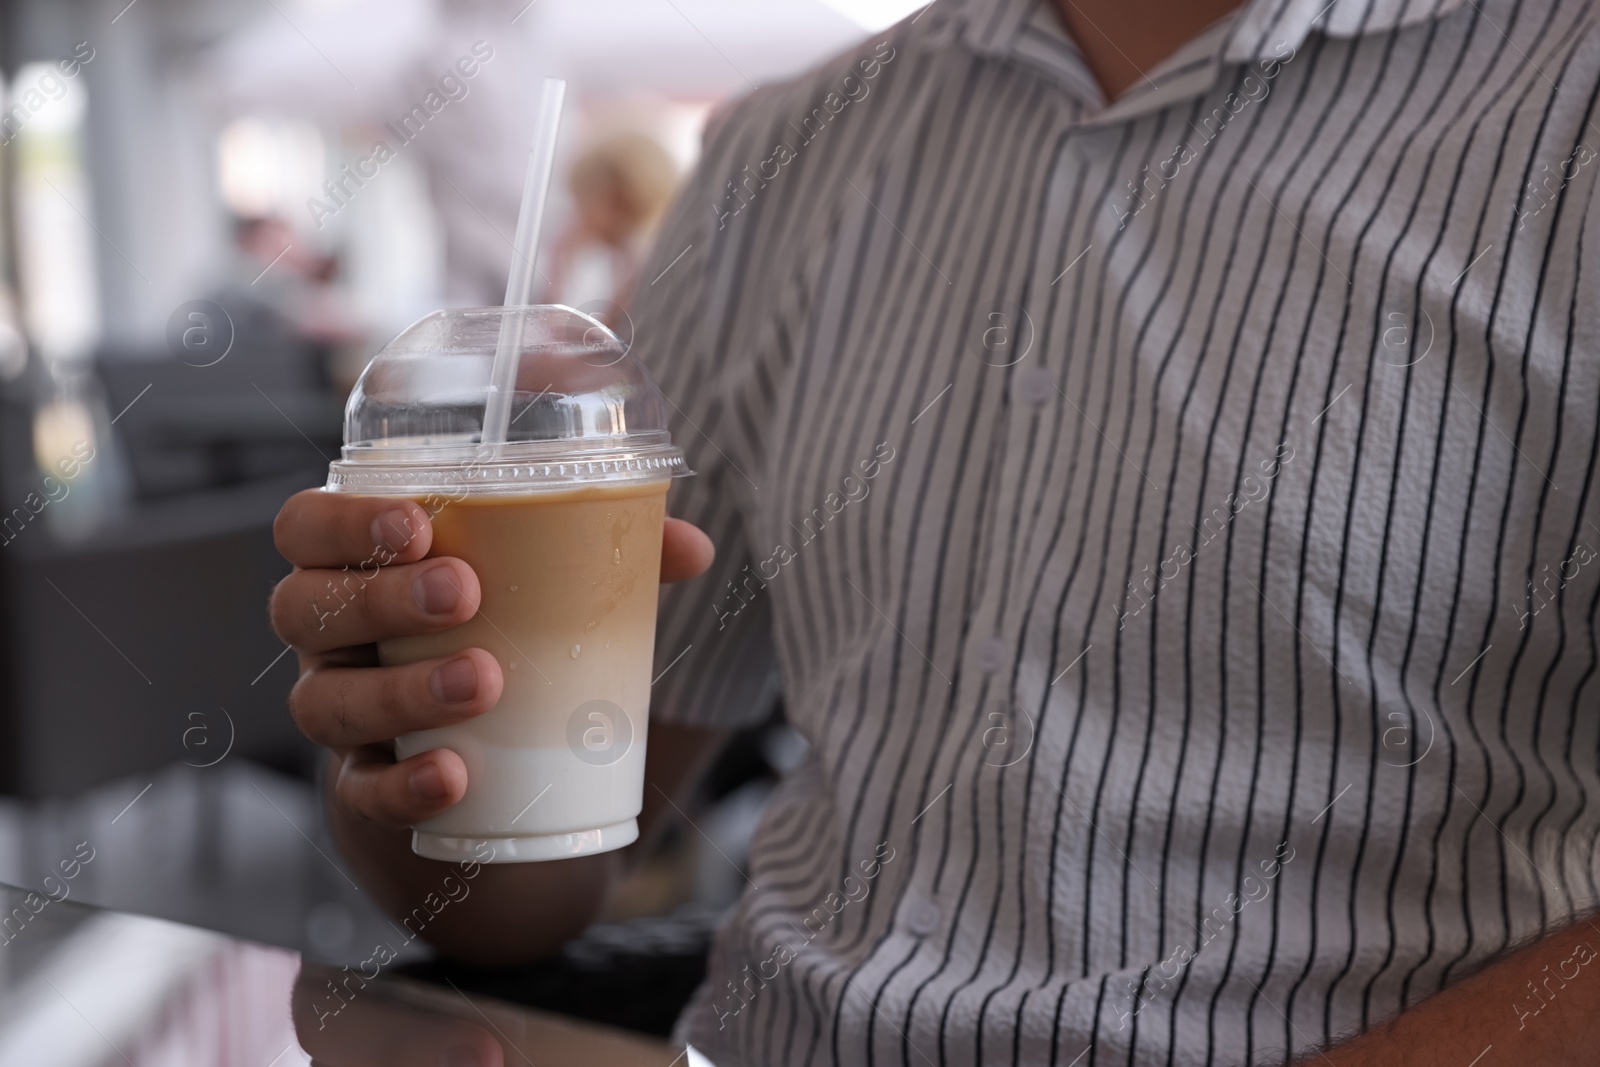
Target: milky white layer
[(569, 586)]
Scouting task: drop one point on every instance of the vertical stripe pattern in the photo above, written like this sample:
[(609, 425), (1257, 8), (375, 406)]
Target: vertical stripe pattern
[(1172, 524)]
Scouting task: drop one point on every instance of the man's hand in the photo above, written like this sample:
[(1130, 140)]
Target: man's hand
[(361, 576), (1540, 1005)]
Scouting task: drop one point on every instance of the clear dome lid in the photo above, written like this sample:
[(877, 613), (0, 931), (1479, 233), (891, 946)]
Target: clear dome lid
[(583, 408)]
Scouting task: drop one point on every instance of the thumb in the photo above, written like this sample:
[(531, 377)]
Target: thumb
[(686, 551)]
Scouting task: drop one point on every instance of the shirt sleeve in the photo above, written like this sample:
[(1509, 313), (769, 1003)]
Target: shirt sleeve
[(715, 664)]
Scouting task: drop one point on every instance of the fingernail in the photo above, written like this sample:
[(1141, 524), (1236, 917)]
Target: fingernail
[(393, 530), (455, 681), (436, 591), (427, 783)]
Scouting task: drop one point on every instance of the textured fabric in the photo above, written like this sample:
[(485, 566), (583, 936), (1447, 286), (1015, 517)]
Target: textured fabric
[(1172, 523)]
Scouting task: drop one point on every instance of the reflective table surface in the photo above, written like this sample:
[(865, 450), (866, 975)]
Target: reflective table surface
[(86, 987)]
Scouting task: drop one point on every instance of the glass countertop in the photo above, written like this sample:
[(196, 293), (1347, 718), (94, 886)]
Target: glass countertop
[(86, 987)]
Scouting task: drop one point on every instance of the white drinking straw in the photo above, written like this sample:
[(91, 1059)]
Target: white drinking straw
[(525, 249)]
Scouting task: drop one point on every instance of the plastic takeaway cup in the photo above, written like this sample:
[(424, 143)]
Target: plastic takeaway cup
[(562, 524)]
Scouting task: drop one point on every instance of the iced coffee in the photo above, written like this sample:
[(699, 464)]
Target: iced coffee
[(562, 524)]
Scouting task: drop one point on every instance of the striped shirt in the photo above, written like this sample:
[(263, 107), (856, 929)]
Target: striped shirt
[(1172, 522)]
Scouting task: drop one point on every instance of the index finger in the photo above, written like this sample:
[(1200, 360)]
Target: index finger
[(316, 528)]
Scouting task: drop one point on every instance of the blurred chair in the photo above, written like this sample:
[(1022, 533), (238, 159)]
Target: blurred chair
[(113, 649)]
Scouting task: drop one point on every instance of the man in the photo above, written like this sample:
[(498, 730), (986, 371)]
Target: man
[(1170, 521)]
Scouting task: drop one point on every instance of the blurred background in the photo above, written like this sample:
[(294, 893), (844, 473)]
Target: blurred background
[(211, 215)]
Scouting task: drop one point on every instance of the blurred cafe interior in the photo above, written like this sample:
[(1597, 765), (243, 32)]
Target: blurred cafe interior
[(201, 245)]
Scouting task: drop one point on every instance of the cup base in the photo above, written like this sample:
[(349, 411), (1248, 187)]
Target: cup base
[(524, 849)]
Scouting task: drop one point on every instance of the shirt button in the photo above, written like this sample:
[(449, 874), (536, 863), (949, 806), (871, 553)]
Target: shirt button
[(1034, 386), (922, 915), (992, 653)]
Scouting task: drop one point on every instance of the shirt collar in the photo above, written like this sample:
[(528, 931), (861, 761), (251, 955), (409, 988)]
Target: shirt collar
[(1263, 26), (1031, 33)]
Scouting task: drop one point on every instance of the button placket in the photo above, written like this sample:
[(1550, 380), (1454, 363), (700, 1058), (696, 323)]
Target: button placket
[(921, 914), (1034, 387)]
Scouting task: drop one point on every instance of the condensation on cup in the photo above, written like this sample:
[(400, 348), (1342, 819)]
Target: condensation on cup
[(562, 524)]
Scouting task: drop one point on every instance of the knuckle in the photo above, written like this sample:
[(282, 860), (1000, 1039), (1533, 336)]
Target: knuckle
[(280, 529), (388, 600), (288, 516), (297, 607), (349, 717), (343, 589), (394, 691), (278, 609), (357, 590), (392, 808), (302, 705), (359, 792), (349, 796), (381, 802), (404, 528)]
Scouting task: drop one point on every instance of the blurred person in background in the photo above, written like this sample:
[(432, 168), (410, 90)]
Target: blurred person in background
[(474, 161), (620, 187), (283, 296), (278, 271), (444, 84), (1152, 446)]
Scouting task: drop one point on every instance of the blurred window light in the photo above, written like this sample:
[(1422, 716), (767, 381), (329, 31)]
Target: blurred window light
[(44, 98), (85, 977), (13, 349), (63, 431), (875, 15), (392, 250), (680, 127), (269, 166), (55, 237)]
